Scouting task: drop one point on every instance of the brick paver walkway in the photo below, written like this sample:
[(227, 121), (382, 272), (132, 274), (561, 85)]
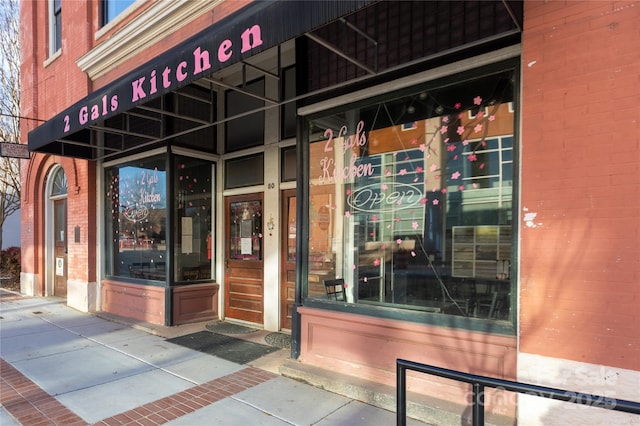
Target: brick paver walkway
[(32, 406)]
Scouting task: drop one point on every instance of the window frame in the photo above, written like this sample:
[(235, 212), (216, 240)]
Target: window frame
[(169, 159), (507, 327), (55, 27), (104, 11)]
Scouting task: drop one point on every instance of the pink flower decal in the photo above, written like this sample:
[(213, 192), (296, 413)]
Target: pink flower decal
[(460, 130), (433, 168), (422, 147), (435, 202), (347, 214), (399, 241), (419, 169), (461, 188), (365, 279), (402, 172), (481, 166), (477, 100), (445, 119), (455, 175), (376, 262), (458, 105), (384, 186), (414, 225), (353, 267), (348, 191), (492, 117), (444, 129), (451, 148), (414, 141), (472, 157), (443, 190), (477, 128), (423, 201), (465, 142), (374, 218), (413, 253)]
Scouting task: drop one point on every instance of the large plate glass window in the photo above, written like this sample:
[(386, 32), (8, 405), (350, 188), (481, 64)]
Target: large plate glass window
[(136, 225), (194, 207), (139, 244), (411, 196)]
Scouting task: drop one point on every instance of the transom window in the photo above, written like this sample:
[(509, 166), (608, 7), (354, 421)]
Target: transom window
[(59, 183)]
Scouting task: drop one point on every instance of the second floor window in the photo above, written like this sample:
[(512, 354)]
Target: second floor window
[(112, 8), (55, 26)]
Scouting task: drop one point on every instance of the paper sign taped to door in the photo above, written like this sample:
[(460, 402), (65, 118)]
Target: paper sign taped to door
[(60, 266)]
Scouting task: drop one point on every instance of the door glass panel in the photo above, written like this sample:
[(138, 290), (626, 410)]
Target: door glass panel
[(245, 230), (60, 222), (291, 230)]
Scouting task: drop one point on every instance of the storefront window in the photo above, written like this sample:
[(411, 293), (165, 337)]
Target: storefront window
[(194, 232), (137, 218), (138, 243), (410, 199)]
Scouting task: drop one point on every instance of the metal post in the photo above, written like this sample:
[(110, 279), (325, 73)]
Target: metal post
[(401, 396), (478, 404)]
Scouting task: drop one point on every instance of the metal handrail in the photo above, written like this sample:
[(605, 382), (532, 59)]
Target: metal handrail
[(478, 383)]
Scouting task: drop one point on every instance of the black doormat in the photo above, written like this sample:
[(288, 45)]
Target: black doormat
[(226, 347)]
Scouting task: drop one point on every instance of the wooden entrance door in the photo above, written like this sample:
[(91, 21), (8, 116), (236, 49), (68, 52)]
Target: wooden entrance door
[(60, 247), (244, 268), (288, 257)]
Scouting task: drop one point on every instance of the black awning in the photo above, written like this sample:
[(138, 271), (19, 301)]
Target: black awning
[(253, 29)]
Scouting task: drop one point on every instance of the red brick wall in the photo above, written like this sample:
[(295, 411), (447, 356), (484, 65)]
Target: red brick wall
[(48, 87), (81, 211), (580, 257)]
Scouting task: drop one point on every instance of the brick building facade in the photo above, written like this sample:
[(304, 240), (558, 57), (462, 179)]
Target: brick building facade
[(470, 171)]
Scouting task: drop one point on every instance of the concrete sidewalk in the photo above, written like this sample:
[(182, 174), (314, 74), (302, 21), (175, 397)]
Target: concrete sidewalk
[(63, 367)]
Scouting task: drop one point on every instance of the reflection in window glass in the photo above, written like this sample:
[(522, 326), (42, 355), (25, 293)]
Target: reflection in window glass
[(411, 198), (136, 219), (194, 205)]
